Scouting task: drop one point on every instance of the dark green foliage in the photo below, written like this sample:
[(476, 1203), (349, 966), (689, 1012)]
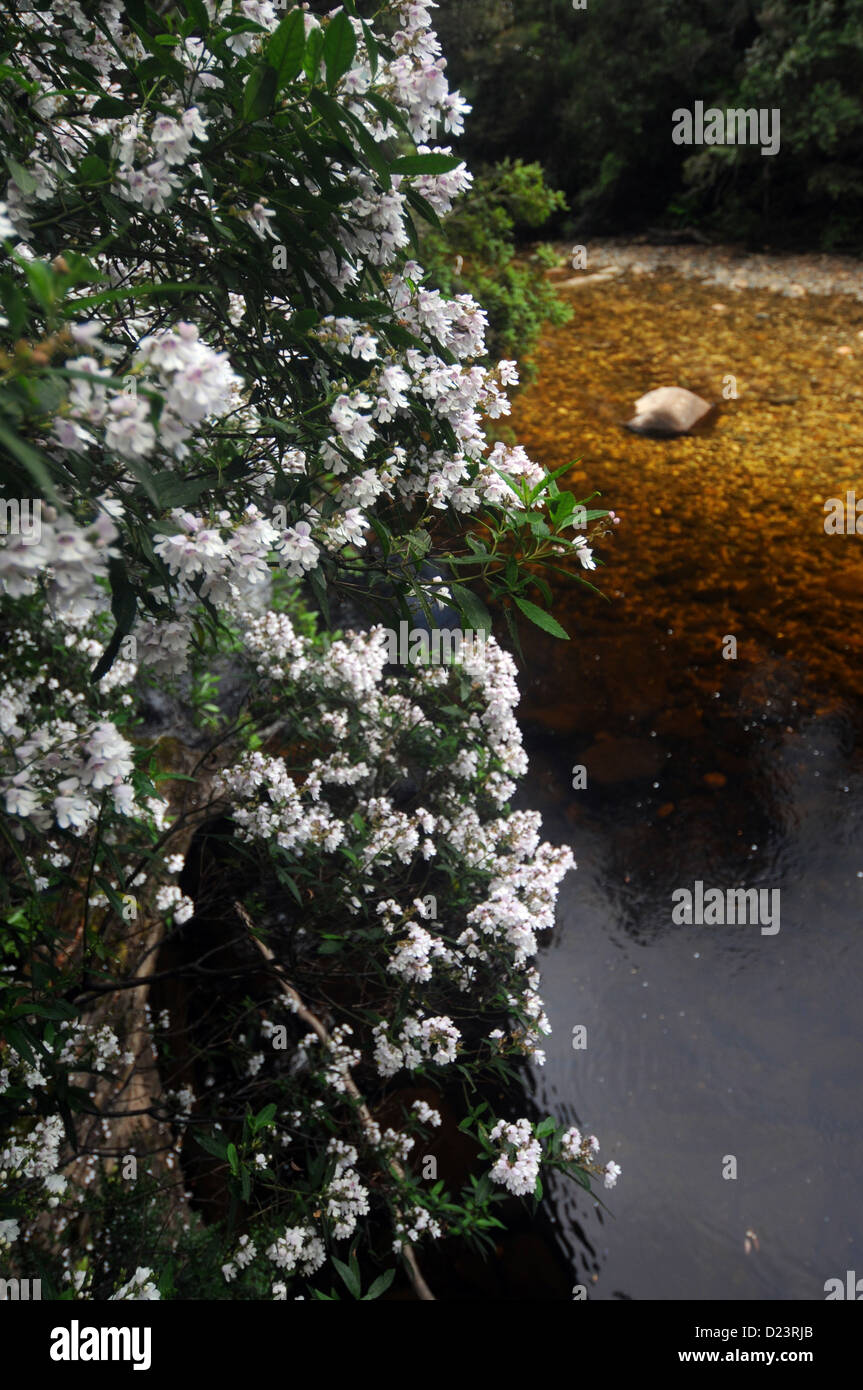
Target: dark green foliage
[(590, 93), (476, 253)]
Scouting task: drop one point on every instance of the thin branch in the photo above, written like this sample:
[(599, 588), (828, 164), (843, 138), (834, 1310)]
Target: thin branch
[(421, 1288)]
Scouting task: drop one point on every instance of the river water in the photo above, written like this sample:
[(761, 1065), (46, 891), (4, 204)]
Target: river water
[(707, 1043)]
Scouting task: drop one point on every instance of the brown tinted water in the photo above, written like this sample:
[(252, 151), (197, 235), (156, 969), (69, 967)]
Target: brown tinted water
[(707, 1042)]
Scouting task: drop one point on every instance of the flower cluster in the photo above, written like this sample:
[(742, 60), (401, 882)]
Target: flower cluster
[(141, 1288), (59, 769), (299, 1247), (361, 450), (517, 1167), (575, 1149), (308, 415), (69, 559)]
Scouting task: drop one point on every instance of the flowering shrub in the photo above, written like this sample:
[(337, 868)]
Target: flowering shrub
[(475, 251), (231, 396)]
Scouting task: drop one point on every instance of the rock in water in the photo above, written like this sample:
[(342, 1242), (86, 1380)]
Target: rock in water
[(668, 411)]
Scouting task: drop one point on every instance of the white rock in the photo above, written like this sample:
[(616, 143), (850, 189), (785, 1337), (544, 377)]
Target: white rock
[(667, 411)]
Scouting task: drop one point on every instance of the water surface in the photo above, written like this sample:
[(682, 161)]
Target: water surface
[(707, 1042)]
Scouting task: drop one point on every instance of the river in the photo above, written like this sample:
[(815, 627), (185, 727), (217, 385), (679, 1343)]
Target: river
[(707, 1043)]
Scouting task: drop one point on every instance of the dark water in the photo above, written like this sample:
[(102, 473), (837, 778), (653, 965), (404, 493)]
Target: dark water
[(708, 1041)]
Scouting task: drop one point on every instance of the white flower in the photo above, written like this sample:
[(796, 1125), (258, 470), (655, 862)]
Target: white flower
[(570, 1145), (9, 1232), (128, 428), (296, 550), (611, 1174), (584, 553), (7, 227), (139, 1288), (425, 1114)]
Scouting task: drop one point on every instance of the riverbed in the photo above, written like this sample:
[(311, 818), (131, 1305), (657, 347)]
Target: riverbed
[(710, 1048)]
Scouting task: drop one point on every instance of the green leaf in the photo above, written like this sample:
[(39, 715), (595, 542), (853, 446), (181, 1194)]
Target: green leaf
[(543, 588), (233, 1158), (483, 1189), (58, 1011), (179, 492), (551, 478), (387, 110), (382, 534), (423, 207), (287, 47), (33, 462), (265, 1117), (340, 45), (144, 474), (312, 58), (334, 116), (259, 92), (92, 169), (40, 278), (216, 1147), (372, 48), (197, 10), (478, 548), (541, 618), (581, 1177), (303, 320), (124, 603), (380, 1285), (349, 1276), (425, 163), (19, 1042), (291, 886), (371, 149), (22, 176), (109, 106), (563, 508), (14, 305), (472, 608)]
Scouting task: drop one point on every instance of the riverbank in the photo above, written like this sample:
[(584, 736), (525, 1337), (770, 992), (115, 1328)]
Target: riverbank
[(794, 275)]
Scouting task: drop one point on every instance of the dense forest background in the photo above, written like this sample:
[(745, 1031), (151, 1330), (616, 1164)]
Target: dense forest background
[(589, 94)]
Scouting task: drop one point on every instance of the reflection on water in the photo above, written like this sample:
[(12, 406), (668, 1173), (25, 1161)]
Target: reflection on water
[(705, 1042)]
